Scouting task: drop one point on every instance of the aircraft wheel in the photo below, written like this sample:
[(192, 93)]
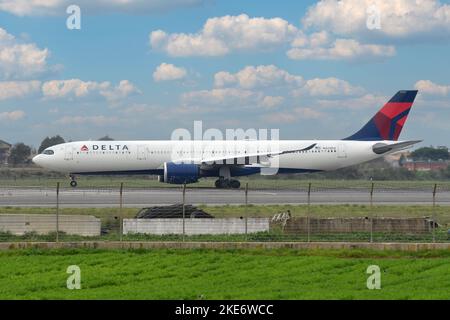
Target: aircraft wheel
[(235, 184), (73, 183), (219, 183)]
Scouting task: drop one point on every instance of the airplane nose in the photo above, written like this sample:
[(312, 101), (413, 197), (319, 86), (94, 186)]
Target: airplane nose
[(37, 159)]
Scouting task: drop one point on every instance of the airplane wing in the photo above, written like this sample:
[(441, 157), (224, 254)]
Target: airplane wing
[(380, 148), (245, 159)]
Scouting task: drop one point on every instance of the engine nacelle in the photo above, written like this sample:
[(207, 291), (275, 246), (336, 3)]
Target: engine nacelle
[(175, 173)]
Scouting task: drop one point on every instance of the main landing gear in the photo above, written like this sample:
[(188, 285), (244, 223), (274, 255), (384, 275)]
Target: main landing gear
[(73, 182), (225, 181), (227, 184)]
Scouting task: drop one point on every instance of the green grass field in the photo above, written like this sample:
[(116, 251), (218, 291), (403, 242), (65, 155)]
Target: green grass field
[(343, 210), (209, 274)]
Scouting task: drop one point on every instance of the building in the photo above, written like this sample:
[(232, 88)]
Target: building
[(395, 159), (425, 165), (5, 149)]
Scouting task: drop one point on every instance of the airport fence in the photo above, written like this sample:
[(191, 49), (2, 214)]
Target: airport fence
[(305, 211)]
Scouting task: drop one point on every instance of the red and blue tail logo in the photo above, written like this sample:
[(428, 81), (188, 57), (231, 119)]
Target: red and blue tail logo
[(389, 121)]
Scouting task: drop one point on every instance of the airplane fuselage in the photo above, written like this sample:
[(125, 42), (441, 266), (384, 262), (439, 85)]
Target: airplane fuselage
[(127, 157)]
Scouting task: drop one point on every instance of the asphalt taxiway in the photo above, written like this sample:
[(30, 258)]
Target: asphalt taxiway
[(104, 198)]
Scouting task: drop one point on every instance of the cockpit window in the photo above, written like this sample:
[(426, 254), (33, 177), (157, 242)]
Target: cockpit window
[(49, 152)]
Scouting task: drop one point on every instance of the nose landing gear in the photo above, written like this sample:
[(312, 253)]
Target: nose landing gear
[(73, 182)]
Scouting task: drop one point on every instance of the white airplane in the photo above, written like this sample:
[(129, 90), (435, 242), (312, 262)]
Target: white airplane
[(180, 162)]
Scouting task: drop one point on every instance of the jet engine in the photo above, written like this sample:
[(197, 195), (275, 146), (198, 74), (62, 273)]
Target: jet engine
[(179, 173)]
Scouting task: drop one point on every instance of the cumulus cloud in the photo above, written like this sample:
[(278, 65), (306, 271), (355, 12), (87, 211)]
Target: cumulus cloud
[(430, 88), (267, 87), (224, 97), (76, 88), (123, 90), (272, 102), (262, 76), (19, 59), (274, 78), (12, 115), (293, 115), (400, 19), (328, 87), (97, 120), (339, 49), (355, 103), (18, 89), (72, 88), (58, 7), (222, 35), (167, 72)]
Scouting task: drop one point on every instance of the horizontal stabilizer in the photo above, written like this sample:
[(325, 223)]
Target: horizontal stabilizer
[(381, 148)]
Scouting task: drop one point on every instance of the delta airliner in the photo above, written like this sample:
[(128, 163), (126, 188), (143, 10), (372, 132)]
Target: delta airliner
[(180, 162)]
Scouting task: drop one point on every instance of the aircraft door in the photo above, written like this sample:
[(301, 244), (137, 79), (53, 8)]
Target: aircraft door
[(341, 151), (142, 152), (68, 153)]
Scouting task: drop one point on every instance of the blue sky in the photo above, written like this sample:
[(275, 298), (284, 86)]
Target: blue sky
[(140, 70)]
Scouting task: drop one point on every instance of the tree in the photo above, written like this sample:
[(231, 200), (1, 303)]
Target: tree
[(49, 142), (106, 138), (430, 153), (19, 154)]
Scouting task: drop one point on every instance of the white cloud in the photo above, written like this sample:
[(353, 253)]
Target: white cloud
[(431, 88), (261, 76), (58, 7), (12, 115), (119, 92), (226, 97), (399, 18), (328, 87), (167, 72), (76, 88), (355, 103), (262, 88), (341, 49), (21, 60), (272, 102), (271, 77), (18, 89), (222, 35), (98, 120), (72, 88), (293, 115)]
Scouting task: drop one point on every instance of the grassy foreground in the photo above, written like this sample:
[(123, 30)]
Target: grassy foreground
[(224, 211), (254, 182), (209, 274)]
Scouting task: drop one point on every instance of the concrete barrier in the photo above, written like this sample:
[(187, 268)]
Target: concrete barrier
[(19, 224), (349, 225), (195, 226)]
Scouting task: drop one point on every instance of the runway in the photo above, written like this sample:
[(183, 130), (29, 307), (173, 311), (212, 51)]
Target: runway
[(104, 198)]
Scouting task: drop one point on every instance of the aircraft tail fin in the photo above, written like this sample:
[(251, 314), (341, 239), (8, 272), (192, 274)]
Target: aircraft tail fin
[(389, 121)]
